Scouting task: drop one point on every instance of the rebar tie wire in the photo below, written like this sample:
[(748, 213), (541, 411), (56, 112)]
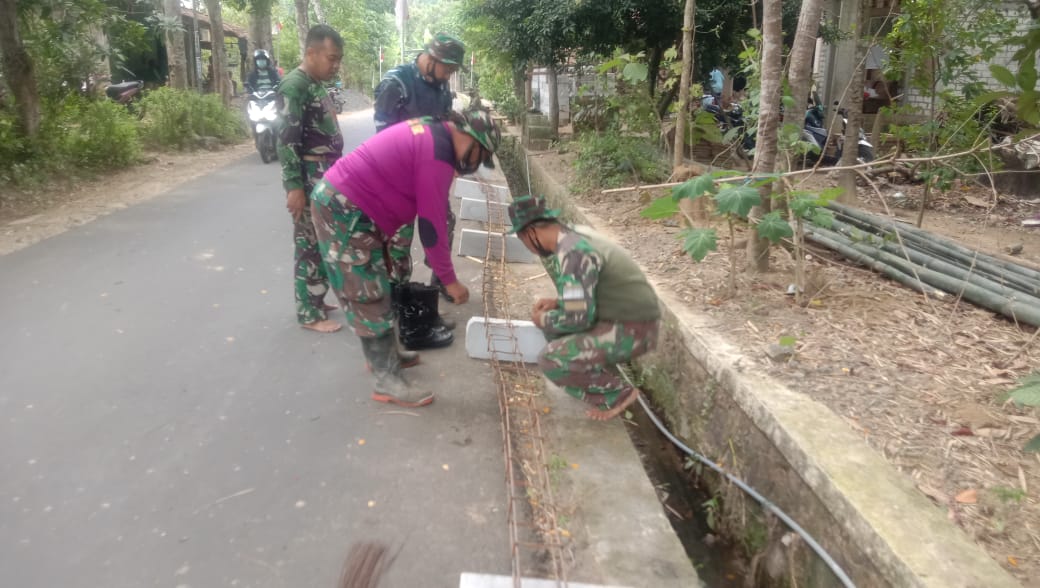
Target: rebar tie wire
[(521, 478)]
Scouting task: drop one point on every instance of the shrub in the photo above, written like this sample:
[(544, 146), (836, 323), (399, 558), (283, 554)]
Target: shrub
[(177, 118), (611, 159), (102, 136)]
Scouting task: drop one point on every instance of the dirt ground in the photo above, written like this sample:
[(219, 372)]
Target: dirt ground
[(29, 216), (920, 379)]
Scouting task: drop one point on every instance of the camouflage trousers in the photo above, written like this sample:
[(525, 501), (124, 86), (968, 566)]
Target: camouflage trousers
[(354, 250), (311, 281), (585, 364), (400, 250)]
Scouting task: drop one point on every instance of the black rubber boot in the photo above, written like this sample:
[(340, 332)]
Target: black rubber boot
[(443, 321), (391, 387), (418, 318), (408, 358)]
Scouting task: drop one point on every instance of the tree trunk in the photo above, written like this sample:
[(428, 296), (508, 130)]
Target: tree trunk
[(176, 51), (768, 123), (221, 83), (679, 153), (303, 24), (853, 103), (319, 11), (799, 72), (554, 100), (528, 90), (520, 81), (19, 71), (260, 26)]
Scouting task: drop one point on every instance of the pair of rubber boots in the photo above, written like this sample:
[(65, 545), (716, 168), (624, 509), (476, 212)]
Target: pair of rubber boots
[(419, 322), (391, 386)]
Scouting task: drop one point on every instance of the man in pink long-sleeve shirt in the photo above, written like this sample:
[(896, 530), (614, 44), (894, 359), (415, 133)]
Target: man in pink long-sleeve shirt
[(399, 174)]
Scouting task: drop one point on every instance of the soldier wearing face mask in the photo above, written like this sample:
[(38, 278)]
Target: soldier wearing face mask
[(605, 312), (392, 180), (264, 76), (410, 91)]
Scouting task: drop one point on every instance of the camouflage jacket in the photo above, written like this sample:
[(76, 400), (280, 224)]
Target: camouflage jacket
[(403, 94), (596, 280), (309, 126)]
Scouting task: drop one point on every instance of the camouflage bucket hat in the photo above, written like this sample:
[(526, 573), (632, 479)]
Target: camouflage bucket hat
[(446, 49), (526, 209), (478, 123)]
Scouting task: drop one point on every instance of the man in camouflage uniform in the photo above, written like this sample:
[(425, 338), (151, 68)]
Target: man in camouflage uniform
[(412, 90), (309, 143), (605, 312)]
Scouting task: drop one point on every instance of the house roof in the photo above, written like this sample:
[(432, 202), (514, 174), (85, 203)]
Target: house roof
[(229, 29)]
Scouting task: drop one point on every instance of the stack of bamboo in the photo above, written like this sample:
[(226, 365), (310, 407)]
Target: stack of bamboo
[(930, 264)]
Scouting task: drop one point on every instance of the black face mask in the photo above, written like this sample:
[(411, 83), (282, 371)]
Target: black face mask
[(538, 247), (463, 165)]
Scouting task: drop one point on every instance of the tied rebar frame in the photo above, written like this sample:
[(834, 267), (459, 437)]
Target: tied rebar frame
[(527, 472)]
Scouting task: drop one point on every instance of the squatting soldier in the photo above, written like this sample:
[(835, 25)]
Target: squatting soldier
[(605, 312), (309, 143), (371, 193), (409, 91)]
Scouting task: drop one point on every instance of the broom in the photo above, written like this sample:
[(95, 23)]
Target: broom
[(366, 563)]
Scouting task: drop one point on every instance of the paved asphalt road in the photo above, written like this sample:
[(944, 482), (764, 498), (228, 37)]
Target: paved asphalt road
[(166, 423)]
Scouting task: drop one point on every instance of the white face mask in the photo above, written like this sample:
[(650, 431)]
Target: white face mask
[(261, 63)]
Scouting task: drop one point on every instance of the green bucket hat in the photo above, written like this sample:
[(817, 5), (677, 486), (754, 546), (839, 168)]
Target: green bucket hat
[(478, 123), (526, 209), (446, 49)]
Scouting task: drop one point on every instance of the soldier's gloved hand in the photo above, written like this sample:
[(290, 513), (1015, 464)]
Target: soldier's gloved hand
[(295, 202), (458, 292)]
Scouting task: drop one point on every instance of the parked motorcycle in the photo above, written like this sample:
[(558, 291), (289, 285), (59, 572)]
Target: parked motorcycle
[(263, 115), (815, 134), (124, 92), (731, 122)]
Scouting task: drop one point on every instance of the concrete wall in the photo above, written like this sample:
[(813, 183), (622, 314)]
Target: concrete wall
[(879, 528)]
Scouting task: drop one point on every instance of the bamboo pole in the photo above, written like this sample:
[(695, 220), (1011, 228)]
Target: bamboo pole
[(927, 261), (1018, 311)]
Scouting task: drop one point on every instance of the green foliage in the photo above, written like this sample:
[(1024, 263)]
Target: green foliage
[(1027, 393), (177, 118), (102, 136), (737, 200), (774, 228), (1033, 446), (663, 207), (76, 135), (613, 159), (695, 187), (697, 243), (788, 341)]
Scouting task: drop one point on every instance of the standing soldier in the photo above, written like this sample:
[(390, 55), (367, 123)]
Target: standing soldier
[(309, 143), (605, 312), (412, 90)]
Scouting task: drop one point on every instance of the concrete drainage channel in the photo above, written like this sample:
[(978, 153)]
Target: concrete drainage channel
[(869, 518)]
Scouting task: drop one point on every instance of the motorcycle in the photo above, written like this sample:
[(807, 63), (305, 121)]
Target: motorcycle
[(124, 92), (816, 134), (731, 122), (263, 115)]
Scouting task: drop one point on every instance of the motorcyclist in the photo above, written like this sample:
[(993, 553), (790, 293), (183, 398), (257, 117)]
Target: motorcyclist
[(264, 77), (419, 88)]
